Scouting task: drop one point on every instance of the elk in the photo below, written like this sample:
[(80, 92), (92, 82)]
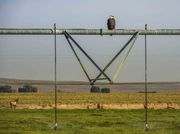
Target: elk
[(14, 103), (99, 106)]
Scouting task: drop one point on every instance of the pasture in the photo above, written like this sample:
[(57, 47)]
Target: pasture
[(35, 114), (80, 98), (25, 121)]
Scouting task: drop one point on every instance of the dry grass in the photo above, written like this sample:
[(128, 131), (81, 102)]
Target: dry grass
[(111, 100)]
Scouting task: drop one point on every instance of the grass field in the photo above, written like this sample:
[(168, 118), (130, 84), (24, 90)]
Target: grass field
[(80, 98), (44, 100), (92, 121), (88, 121)]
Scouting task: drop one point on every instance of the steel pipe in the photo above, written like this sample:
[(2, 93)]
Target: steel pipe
[(15, 31)]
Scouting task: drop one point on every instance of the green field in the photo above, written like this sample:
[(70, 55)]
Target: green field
[(88, 121), (92, 121)]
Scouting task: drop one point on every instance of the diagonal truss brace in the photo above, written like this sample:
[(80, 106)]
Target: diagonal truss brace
[(102, 72), (113, 59), (124, 59), (68, 36), (83, 68)]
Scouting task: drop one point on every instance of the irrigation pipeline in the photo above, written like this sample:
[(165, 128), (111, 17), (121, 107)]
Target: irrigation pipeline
[(46, 31), (69, 32)]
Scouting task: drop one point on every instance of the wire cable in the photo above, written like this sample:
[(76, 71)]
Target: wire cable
[(145, 93), (123, 60)]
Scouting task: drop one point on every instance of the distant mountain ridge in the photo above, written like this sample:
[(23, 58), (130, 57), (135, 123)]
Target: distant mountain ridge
[(49, 82), (78, 86), (20, 81)]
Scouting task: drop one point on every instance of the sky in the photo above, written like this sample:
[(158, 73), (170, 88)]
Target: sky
[(32, 57)]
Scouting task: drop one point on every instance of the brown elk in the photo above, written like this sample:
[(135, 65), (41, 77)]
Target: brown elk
[(14, 103), (99, 106)]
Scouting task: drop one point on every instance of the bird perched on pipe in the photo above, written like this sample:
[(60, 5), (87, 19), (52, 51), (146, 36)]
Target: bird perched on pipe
[(111, 22)]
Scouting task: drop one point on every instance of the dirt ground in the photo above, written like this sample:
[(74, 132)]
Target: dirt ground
[(99, 106)]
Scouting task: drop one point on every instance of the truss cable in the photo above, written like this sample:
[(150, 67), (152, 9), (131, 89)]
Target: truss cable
[(55, 79), (92, 61), (112, 60), (124, 59), (145, 93), (77, 57)]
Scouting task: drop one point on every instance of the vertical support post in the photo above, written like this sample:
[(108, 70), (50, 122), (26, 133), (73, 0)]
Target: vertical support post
[(146, 101), (55, 78)]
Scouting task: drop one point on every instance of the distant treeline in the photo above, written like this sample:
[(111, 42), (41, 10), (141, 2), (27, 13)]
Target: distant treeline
[(6, 89), (95, 89), (25, 88)]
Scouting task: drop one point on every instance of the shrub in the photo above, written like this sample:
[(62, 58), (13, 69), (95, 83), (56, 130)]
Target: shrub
[(28, 88), (95, 89), (6, 89), (105, 90)]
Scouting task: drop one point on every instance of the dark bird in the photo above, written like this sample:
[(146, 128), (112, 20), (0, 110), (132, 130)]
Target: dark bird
[(111, 23)]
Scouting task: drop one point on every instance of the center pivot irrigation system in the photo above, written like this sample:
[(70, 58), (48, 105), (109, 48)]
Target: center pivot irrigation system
[(68, 35)]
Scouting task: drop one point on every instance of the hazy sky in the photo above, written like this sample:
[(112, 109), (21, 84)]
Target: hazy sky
[(31, 57)]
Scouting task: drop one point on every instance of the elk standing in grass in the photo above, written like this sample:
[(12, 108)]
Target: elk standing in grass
[(99, 106), (14, 103)]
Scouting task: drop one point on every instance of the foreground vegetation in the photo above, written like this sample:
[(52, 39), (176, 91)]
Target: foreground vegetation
[(81, 98), (92, 121), (88, 121)]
